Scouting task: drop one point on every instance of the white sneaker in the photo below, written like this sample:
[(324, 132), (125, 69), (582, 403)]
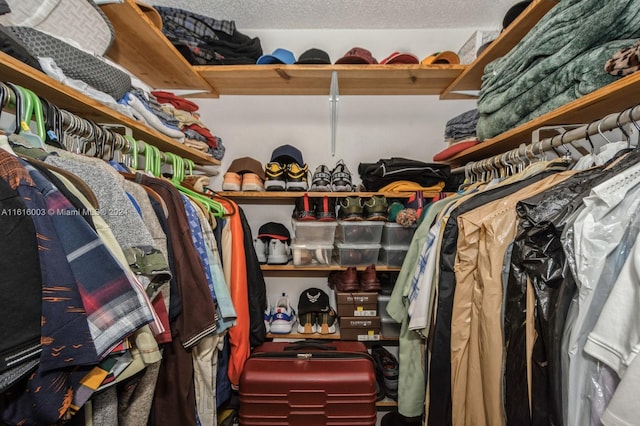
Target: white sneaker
[(278, 253), (283, 316), (261, 250)]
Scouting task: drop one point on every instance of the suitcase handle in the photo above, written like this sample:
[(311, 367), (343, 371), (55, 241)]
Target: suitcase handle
[(310, 344)]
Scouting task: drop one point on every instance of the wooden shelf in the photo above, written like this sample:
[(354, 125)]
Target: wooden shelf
[(277, 197), (316, 79), (470, 78), (320, 268), (315, 336), (14, 71), (615, 97), (141, 48)]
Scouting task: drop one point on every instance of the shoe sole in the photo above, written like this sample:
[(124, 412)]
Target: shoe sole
[(281, 328), (296, 186), (277, 260), (230, 187), (274, 185), (252, 187), (321, 188)]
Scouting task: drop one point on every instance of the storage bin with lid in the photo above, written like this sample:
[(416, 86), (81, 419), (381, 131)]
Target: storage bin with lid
[(394, 234), (393, 255), (357, 254), (359, 232), (314, 232), (309, 254)]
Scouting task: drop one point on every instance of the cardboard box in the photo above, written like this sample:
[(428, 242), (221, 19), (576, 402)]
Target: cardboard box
[(360, 328), (357, 304)]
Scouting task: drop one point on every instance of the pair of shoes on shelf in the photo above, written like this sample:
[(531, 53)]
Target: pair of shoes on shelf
[(356, 208), (279, 319), (272, 251), (316, 315), (387, 369), (286, 177), (336, 180), (242, 182), (315, 208), (351, 280)]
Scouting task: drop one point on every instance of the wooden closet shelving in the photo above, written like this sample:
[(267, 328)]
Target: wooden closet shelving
[(278, 197), (65, 97)]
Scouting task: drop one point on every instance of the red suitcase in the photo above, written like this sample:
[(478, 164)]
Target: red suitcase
[(308, 384)]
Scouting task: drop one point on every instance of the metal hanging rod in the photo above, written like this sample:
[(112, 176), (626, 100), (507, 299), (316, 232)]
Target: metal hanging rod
[(609, 122)]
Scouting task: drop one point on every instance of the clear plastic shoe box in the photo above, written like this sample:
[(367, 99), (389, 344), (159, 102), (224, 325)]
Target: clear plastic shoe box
[(359, 232), (314, 232)]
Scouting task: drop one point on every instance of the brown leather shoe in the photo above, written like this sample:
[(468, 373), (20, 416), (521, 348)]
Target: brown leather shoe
[(369, 279), (346, 280)]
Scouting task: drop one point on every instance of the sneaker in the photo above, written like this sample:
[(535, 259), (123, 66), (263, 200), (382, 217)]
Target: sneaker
[(268, 315), (325, 208), (304, 208), (369, 279), (321, 179), (387, 364), (232, 182), (275, 179), (278, 253), (297, 177), (252, 182), (326, 321), (375, 208), (346, 280), (261, 250), (283, 316), (341, 178), (350, 208), (308, 324)]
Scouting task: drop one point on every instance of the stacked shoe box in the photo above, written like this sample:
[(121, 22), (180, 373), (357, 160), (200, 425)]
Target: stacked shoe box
[(395, 243), (358, 242), (313, 242), (358, 316)]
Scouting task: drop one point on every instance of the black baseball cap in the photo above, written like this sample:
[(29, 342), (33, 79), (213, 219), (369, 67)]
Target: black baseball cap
[(274, 230), (313, 300), (314, 56)]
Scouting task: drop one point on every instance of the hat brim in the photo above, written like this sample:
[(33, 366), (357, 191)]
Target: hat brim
[(454, 149), (446, 57), (269, 59), (401, 58), (314, 61)]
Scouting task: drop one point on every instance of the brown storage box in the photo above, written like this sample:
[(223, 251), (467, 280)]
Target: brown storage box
[(360, 328), (357, 304)]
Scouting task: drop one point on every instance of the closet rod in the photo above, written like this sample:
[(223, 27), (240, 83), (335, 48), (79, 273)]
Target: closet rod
[(609, 122)]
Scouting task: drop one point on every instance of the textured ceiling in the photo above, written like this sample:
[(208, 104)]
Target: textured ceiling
[(350, 14)]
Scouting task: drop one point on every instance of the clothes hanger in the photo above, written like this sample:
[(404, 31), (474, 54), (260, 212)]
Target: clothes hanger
[(28, 105), (178, 166)]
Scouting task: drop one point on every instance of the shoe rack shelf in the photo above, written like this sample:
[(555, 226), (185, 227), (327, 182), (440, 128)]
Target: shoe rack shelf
[(319, 269), (277, 197)]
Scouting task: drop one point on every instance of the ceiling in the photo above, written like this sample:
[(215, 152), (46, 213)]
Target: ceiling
[(350, 14)]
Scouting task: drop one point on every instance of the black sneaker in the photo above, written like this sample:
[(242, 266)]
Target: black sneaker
[(321, 179), (350, 208), (341, 178), (275, 179), (375, 208), (325, 208), (297, 177), (304, 208)]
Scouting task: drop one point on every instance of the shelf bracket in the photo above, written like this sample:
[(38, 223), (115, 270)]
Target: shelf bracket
[(334, 96)]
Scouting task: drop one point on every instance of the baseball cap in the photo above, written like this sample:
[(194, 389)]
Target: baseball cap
[(286, 154), (454, 149), (246, 164), (274, 230), (313, 300), (357, 55), (514, 12), (279, 56), (400, 58), (444, 57), (314, 56)]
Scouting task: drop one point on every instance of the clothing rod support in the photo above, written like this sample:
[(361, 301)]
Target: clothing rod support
[(609, 122)]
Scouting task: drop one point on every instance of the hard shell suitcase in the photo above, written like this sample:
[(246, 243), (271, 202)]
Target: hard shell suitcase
[(308, 383)]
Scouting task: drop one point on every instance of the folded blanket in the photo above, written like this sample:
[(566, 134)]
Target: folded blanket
[(579, 77), (566, 32)]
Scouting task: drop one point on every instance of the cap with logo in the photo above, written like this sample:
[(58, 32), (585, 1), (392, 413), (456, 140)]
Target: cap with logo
[(314, 56), (279, 56), (357, 55), (313, 300)]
